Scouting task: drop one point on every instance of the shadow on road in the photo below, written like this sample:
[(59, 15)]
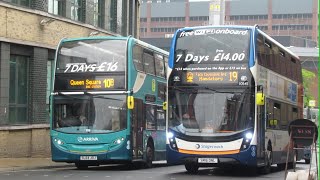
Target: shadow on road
[(228, 172), (181, 172), (120, 167)]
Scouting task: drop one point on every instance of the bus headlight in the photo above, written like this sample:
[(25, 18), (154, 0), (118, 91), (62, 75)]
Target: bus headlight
[(172, 141), (246, 140), (169, 135), (118, 141), (249, 135), (58, 141)]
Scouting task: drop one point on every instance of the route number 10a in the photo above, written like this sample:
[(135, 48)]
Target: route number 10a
[(108, 83)]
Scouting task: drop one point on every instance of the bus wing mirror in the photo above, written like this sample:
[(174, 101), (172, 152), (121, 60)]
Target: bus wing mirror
[(164, 106), (260, 99), (130, 102)]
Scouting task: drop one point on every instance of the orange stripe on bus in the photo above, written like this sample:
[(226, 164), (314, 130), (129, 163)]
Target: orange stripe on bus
[(209, 152), (225, 131)]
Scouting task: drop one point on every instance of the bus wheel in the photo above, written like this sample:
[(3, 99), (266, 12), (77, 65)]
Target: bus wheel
[(292, 165), (281, 166), (307, 161), (192, 168), (81, 166), (267, 168), (149, 156)]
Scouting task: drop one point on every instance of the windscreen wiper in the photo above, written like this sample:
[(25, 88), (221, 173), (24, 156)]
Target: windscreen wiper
[(69, 95)]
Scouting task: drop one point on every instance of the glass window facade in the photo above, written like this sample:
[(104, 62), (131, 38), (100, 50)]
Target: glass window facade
[(18, 95), (55, 7)]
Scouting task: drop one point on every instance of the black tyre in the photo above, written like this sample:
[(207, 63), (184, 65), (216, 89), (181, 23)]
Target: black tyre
[(81, 166), (307, 161), (192, 168), (281, 166), (149, 155), (267, 168), (293, 164)]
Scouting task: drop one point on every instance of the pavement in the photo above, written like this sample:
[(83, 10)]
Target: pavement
[(15, 164)]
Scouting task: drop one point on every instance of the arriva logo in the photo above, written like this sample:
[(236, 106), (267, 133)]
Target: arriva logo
[(87, 139)]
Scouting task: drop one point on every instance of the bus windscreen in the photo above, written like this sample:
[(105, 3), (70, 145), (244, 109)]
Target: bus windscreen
[(91, 65), (212, 56)]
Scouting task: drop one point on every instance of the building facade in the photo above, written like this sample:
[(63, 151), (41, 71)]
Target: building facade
[(161, 18), (30, 31)]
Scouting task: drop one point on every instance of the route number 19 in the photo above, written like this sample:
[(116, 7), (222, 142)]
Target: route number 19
[(233, 76)]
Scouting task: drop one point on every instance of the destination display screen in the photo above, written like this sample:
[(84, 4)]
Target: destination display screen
[(214, 74), (226, 77), (99, 82)]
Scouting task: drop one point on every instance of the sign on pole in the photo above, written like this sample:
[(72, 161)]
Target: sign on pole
[(312, 103)]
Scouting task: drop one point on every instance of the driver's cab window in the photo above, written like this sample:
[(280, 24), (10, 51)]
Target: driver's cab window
[(71, 114)]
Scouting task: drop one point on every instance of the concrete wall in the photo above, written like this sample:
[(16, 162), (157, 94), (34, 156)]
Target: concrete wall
[(25, 143)]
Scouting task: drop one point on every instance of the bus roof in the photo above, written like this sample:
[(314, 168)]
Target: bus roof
[(94, 37), (116, 38), (217, 26), (150, 46)]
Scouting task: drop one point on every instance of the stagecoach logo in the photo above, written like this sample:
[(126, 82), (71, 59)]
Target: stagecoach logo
[(208, 146), (87, 139), (176, 78), (244, 78), (197, 146)]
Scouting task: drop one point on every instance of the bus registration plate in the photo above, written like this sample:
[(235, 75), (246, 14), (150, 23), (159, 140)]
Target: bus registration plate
[(88, 158), (207, 160)]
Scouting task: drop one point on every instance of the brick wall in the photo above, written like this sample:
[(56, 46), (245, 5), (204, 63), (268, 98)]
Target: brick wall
[(38, 85), (21, 32), (4, 81), (24, 25)]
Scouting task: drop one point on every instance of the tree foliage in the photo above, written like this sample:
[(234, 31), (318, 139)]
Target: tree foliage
[(307, 78)]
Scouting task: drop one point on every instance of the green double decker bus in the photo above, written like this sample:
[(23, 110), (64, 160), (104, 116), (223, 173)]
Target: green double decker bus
[(107, 102)]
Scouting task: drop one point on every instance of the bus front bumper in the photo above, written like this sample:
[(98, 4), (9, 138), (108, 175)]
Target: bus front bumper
[(118, 155), (246, 157)]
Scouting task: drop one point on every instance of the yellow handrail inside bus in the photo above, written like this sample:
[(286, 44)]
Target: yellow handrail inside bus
[(130, 102), (164, 106), (260, 99)]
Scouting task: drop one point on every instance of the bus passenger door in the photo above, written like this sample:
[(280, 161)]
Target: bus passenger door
[(137, 129), (261, 126)]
